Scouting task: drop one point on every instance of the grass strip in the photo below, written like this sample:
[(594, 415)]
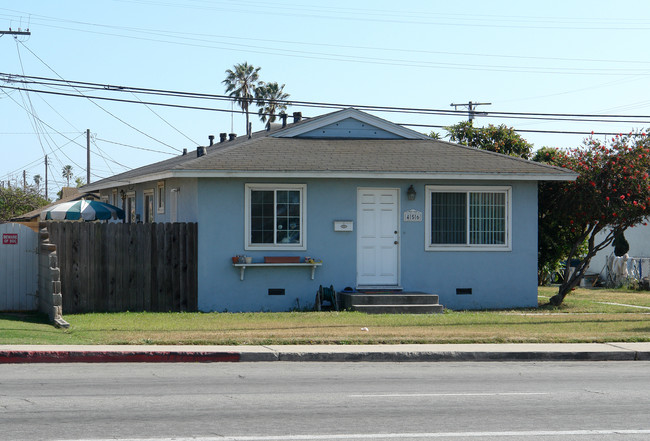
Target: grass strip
[(586, 316)]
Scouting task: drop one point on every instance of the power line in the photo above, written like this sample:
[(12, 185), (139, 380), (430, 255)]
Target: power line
[(555, 132), (133, 147), (114, 116), (12, 78)]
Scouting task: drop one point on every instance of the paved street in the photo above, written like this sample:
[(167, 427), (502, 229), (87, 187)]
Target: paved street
[(326, 401)]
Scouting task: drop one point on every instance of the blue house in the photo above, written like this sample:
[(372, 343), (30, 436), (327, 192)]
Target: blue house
[(350, 200)]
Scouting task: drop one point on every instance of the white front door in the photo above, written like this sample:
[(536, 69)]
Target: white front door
[(377, 236)]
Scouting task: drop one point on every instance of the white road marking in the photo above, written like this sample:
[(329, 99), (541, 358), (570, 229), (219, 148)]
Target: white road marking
[(392, 436)]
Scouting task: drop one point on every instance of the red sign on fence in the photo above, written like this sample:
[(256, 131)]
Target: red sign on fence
[(9, 239)]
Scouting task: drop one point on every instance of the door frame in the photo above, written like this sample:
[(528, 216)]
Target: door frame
[(398, 264)]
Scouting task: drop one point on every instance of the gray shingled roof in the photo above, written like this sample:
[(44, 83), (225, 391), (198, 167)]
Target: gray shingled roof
[(363, 155), (269, 155)]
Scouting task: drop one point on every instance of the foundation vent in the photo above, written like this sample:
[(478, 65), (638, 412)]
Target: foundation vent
[(276, 291)]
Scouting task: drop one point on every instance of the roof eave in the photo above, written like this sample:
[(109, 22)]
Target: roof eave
[(107, 183), (340, 174)]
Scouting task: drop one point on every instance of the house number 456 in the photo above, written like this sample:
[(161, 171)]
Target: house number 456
[(412, 216)]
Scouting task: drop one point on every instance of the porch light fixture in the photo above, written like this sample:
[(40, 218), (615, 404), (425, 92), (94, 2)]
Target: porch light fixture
[(410, 193)]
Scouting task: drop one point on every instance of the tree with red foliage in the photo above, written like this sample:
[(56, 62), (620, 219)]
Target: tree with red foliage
[(611, 194)]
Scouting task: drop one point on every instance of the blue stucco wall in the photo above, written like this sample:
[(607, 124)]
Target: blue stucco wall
[(498, 279)]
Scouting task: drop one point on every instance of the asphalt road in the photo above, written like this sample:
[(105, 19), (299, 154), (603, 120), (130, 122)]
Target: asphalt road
[(326, 401)]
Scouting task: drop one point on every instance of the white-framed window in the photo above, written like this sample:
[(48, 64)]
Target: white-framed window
[(104, 198), (160, 197), (468, 218), (114, 200), (275, 217), (129, 207), (148, 205)]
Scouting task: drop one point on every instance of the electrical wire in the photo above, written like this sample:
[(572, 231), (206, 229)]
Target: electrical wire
[(207, 41), (167, 92), (605, 118), (164, 120), (114, 116)]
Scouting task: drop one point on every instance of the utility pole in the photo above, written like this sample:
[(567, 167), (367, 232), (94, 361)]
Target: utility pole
[(87, 156), (24, 180), (46, 178), (470, 109)]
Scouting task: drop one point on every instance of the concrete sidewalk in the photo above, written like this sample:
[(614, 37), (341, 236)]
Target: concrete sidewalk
[(339, 353)]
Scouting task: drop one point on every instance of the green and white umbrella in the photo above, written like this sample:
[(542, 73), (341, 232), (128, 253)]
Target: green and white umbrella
[(86, 210)]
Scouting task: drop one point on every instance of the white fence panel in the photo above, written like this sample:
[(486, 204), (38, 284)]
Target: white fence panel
[(18, 268)]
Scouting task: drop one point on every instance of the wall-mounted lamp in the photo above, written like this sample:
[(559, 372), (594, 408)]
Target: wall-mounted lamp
[(410, 193)]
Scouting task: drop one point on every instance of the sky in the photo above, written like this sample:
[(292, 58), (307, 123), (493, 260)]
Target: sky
[(562, 58)]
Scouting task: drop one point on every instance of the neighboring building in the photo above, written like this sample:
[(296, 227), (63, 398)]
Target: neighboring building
[(382, 206), (638, 261)]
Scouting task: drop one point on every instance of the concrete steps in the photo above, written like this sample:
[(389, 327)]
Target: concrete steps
[(390, 303)]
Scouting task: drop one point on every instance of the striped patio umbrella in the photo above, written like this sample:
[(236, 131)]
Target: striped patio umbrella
[(83, 209)]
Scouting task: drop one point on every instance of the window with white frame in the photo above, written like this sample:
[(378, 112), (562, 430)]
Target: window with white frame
[(148, 206), (467, 218), (129, 207), (160, 197), (275, 216)]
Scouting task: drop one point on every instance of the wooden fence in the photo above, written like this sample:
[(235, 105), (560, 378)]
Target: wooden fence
[(108, 267)]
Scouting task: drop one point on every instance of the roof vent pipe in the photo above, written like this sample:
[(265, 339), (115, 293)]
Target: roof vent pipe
[(223, 137), (250, 130), (232, 136), (200, 151), (283, 117), (184, 152), (297, 117), (211, 138)]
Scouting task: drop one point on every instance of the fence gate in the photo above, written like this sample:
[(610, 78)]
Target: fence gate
[(18, 268)]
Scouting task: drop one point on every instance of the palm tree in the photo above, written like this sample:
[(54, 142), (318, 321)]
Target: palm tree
[(240, 83), (270, 99), (67, 173)]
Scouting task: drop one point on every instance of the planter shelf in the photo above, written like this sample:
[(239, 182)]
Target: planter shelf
[(242, 266)]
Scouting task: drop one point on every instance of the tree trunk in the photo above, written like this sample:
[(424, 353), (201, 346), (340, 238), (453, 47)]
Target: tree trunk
[(571, 281), (558, 298)]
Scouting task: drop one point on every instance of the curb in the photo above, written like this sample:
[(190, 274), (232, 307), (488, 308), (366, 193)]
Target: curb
[(268, 355), (116, 357)]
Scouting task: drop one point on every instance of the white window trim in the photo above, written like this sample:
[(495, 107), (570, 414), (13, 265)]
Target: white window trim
[(114, 197), (303, 217), (148, 192), (104, 198), (160, 202), (131, 195), (460, 189)]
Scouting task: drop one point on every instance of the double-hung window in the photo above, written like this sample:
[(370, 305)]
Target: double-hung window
[(275, 217), (462, 218)]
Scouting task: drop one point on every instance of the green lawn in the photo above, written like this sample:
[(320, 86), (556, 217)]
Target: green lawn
[(586, 316)]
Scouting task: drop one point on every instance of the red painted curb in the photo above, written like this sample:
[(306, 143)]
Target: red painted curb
[(116, 357)]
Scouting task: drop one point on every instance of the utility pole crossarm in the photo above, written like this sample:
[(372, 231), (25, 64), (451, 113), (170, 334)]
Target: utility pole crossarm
[(470, 109), (18, 32)]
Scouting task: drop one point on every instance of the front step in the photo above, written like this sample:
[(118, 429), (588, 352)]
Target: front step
[(404, 303)]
